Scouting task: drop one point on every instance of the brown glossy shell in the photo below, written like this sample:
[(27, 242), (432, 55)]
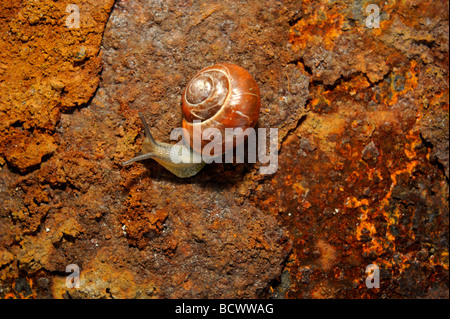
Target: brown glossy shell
[(221, 96)]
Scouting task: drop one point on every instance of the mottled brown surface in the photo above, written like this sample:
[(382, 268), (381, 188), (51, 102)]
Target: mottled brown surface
[(363, 139)]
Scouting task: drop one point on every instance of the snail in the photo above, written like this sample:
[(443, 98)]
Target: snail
[(222, 96)]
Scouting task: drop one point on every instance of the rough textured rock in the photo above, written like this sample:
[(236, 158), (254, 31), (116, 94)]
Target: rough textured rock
[(42, 75), (363, 141)]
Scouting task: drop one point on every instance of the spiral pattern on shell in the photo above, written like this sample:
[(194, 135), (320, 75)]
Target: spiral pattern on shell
[(220, 96)]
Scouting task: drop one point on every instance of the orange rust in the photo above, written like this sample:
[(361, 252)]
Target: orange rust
[(323, 23)]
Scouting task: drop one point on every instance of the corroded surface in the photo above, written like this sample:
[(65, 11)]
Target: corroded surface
[(369, 182), (363, 139)]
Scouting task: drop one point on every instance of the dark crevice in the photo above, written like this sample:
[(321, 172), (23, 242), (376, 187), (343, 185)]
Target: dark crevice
[(428, 43), (434, 159), (384, 78), (302, 62), (72, 110), (58, 273), (31, 168), (293, 129), (294, 20), (341, 80), (108, 291), (18, 124)]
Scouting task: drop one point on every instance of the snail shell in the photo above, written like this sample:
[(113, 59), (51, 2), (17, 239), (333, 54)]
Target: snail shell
[(221, 96)]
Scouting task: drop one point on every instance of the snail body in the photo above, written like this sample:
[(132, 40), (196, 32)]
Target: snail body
[(220, 96)]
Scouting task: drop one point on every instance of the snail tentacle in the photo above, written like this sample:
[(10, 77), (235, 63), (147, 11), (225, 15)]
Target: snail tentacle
[(138, 158)]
